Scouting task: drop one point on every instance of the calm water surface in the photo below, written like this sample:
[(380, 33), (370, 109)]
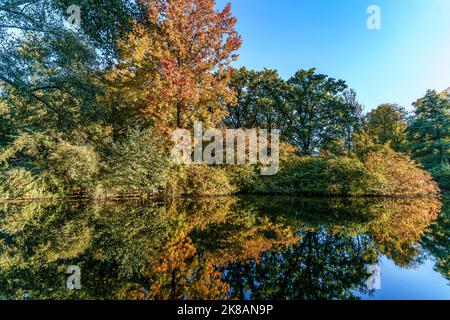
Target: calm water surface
[(221, 248)]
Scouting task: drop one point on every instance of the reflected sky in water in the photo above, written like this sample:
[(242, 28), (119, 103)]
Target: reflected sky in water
[(421, 282)]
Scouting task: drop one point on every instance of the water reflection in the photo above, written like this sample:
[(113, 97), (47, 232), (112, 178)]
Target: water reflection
[(437, 240), (214, 248)]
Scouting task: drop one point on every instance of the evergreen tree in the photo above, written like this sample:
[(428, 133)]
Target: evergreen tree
[(429, 131)]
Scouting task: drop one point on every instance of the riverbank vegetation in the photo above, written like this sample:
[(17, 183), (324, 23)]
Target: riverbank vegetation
[(88, 112)]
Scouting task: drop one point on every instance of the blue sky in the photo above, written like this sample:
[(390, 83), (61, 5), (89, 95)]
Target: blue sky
[(397, 64)]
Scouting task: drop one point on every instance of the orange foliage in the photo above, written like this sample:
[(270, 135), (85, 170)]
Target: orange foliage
[(399, 175), (193, 45)]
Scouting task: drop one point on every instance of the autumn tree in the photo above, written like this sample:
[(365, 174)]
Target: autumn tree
[(180, 68), (387, 124)]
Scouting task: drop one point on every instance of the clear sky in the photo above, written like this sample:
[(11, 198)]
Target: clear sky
[(397, 64)]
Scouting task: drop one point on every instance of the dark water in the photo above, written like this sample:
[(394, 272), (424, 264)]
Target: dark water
[(218, 248)]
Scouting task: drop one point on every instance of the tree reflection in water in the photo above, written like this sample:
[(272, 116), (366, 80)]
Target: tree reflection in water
[(214, 248)]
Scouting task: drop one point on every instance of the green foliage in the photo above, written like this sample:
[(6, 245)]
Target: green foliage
[(138, 165), (318, 176), (430, 129), (105, 22), (441, 175), (19, 183), (313, 111), (261, 99), (202, 179), (387, 124), (321, 112), (383, 172), (348, 176), (242, 176), (78, 166), (61, 168)]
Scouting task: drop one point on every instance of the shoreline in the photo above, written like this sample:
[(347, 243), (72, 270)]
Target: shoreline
[(81, 199)]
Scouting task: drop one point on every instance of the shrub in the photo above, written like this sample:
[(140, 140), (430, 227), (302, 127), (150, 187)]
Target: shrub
[(75, 167), (53, 164), (297, 175), (204, 180), (242, 177), (316, 175), (347, 176), (397, 174), (138, 164), (383, 172)]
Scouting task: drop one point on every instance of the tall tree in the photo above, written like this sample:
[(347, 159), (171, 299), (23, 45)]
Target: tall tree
[(50, 111), (430, 128), (318, 115), (353, 123), (387, 124), (183, 62), (48, 71), (261, 95)]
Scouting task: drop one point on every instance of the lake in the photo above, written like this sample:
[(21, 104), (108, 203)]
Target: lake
[(227, 247)]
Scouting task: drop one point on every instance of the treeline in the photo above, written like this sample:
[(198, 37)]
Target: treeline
[(88, 111), (320, 115)]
